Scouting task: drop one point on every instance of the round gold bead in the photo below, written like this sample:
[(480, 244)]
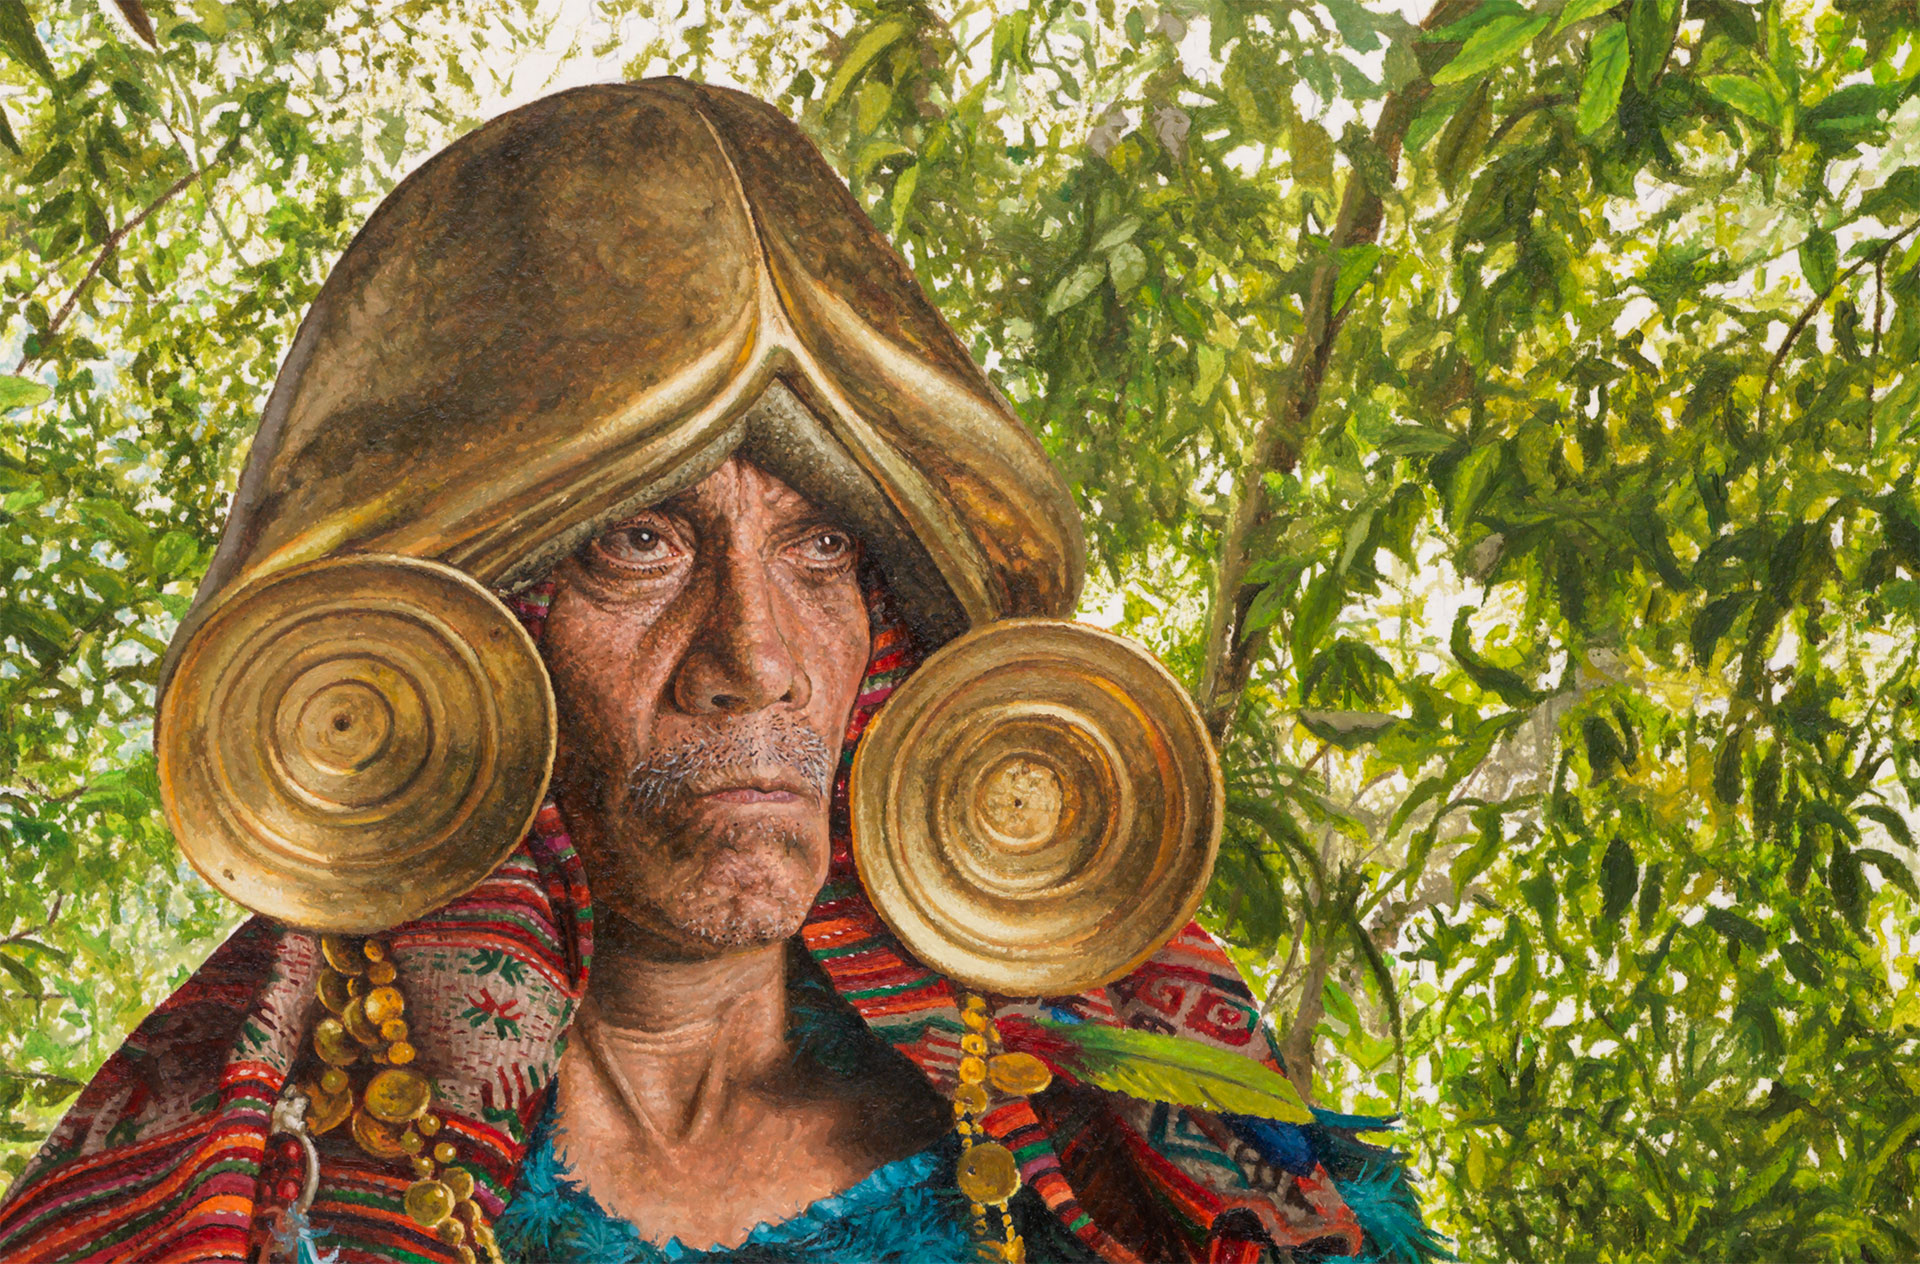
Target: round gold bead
[(381, 972), (452, 1232), (974, 1043), (333, 1044), (971, 1098), (354, 1018), (976, 1019), (342, 954), (375, 950), (422, 1165), (465, 1254), (399, 1053), (429, 1202), (460, 1181), (444, 1152), (412, 1142), (975, 1003), (428, 1124), (394, 1029), (972, 1070), (377, 1138), (331, 987), (327, 1111), (334, 1080), (1019, 1074), (357, 986), (988, 1174), (383, 1005), (398, 1096)]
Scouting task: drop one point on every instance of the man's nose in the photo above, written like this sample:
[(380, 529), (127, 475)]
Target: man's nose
[(741, 658)]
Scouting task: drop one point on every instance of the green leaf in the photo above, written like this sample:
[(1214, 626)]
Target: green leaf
[(1075, 287), (1650, 28), (1348, 730), (1846, 883), (1465, 137), (1892, 868), (1356, 265), (868, 47), (1580, 11), (1493, 45), (1749, 96), (901, 199), (173, 553), (1734, 927), (1891, 821), (21, 392), (1607, 59), (1161, 1068), (1713, 623), (1127, 265), (1121, 230), (1619, 879), (1818, 259), (1651, 893), (19, 38), (1803, 964), (1510, 686)]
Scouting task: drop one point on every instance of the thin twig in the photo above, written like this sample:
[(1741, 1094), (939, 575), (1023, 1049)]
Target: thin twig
[(111, 245), (1813, 309)]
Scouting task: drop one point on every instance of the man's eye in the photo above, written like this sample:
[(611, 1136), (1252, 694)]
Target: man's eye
[(823, 548), (634, 546)]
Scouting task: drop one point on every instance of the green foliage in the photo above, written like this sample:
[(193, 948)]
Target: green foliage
[(1503, 423)]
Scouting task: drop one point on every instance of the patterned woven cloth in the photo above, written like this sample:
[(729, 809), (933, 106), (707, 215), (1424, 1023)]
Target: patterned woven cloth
[(161, 1157)]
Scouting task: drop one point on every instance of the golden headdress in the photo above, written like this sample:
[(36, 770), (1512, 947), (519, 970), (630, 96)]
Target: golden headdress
[(570, 313)]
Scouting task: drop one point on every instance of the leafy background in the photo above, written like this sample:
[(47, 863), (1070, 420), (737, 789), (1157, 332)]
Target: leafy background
[(1501, 417)]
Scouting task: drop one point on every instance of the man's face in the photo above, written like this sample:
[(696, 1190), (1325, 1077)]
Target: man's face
[(705, 656)]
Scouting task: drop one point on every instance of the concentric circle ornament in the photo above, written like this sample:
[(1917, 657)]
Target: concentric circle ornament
[(350, 743), (1037, 809)]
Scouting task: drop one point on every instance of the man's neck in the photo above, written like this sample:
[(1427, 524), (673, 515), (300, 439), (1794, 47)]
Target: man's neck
[(681, 1040)]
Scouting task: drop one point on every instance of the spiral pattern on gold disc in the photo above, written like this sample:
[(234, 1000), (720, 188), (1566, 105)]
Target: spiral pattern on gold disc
[(350, 743), (1037, 809)]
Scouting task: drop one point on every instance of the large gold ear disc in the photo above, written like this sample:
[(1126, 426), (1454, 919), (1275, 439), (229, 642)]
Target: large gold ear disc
[(1037, 809), (350, 743)]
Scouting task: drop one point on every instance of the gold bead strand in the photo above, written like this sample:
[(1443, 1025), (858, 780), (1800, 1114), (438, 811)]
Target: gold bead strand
[(390, 1111), (987, 1172)]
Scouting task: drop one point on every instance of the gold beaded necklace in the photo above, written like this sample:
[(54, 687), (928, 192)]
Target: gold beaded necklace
[(987, 1173), (370, 1086)]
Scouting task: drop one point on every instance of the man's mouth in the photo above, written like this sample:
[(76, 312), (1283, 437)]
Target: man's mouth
[(770, 787)]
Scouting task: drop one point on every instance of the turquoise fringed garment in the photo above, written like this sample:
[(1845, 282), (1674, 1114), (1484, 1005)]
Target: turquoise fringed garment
[(909, 1211), (906, 1211)]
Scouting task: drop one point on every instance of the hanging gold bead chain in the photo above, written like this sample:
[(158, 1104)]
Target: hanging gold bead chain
[(370, 1086), (987, 1173)]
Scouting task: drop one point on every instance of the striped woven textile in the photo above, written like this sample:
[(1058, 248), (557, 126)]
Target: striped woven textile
[(161, 1156)]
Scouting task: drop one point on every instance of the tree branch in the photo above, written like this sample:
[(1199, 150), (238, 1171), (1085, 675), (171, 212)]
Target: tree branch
[(1812, 309), (1231, 649), (111, 246)]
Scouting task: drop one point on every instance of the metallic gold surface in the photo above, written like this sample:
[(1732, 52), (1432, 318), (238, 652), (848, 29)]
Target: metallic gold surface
[(1037, 809), (397, 1096), (350, 743), (987, 1173), (380, 1140), (569, 312), (429, 1202), (1018, 1074)]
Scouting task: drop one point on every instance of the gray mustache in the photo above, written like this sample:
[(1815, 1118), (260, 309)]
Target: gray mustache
[(676, 772)]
